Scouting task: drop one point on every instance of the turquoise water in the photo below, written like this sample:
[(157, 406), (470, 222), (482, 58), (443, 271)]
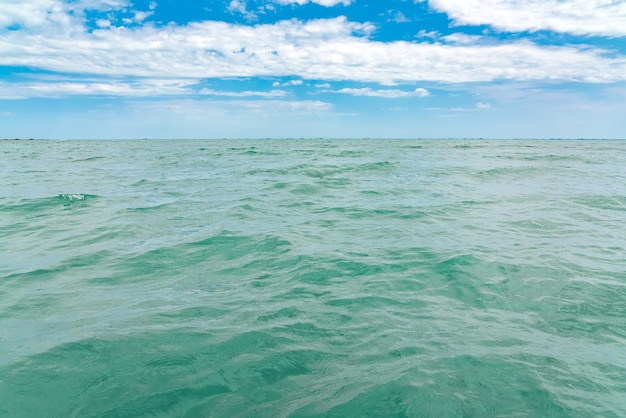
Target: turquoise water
[(338, 278)]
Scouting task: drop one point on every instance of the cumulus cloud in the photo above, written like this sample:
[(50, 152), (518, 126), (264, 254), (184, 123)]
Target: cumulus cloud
[(421, 92), (103, 23), (52, 14), (324, 50), (53, 37), (581, 17), (31, 13), (238, 6), (139, 17)]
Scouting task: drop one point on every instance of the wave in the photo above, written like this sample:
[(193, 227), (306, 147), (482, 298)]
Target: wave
[(27, 206), (336, 278)]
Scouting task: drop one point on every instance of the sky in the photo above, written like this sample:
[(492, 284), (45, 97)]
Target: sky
[(312, 68)]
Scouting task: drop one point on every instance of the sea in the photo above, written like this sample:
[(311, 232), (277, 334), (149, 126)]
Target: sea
[(313, 278)]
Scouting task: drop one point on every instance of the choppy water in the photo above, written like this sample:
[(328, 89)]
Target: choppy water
[(312, 278)]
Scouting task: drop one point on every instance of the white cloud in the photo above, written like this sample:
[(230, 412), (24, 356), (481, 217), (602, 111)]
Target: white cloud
[(247, 93), (324, 50), (31, 13), (96, 4), (400, 17), (421, 92), (244, 107), (59, 88), (326, 3), (237, 6), (141, 16), (287, 83), (461, 39), (54, 39), (582, 17), (483, 105), (103, 23), (52, 14), (386, 93), (428, 35), (278, 106)]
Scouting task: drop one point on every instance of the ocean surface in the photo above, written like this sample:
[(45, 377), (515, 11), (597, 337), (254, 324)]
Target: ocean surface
[(333, 278)]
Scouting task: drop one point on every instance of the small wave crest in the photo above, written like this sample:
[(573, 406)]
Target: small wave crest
[(73, 197), (26, 206)]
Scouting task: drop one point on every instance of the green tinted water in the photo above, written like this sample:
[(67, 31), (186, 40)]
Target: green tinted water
[(312, 278)]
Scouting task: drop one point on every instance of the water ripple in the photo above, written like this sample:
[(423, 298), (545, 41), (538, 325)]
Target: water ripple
[(313, 278)]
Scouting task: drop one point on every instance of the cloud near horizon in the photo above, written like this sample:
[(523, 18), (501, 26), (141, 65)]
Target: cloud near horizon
[(387, 93)]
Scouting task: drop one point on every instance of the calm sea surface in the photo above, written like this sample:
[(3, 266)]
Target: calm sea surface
[(274, 278)]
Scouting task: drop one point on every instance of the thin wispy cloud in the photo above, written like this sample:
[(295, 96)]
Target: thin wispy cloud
[(245, 93), (51, 88), (327, 3), (386, 93)]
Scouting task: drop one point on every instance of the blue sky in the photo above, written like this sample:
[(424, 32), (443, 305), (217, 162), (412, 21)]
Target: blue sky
[(312, 68)]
